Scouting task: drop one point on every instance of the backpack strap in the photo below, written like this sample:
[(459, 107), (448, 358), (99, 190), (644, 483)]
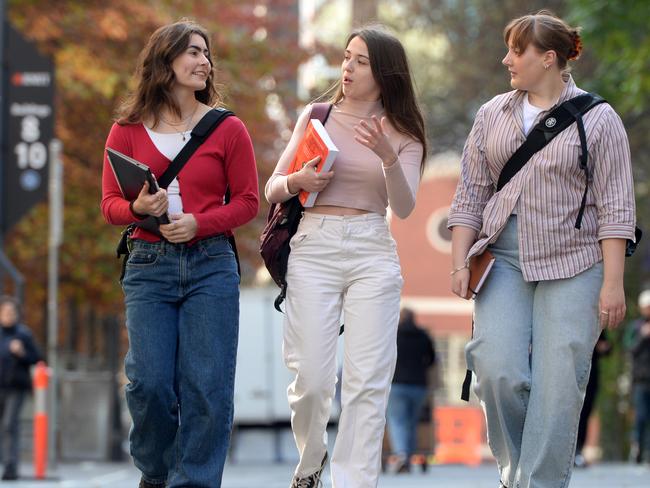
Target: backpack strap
[(206, 126), (544, 132), (321, 111)]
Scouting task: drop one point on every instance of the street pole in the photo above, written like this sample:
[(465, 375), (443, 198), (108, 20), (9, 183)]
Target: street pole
[(55, 239), (3, 93)]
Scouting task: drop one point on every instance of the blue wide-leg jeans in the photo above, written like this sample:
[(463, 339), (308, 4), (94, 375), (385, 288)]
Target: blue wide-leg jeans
[(531, 353), (182, 317)]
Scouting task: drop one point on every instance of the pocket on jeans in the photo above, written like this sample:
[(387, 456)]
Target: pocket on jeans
[(217, 249), (142, 258)]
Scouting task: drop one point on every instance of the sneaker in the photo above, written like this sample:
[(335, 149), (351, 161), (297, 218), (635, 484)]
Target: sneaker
[(580, 461), (635, 453), (311, 481), (402, 464), (10, 473), (146, 484)]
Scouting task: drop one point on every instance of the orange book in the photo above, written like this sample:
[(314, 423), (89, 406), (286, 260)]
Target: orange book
[(315, 142)]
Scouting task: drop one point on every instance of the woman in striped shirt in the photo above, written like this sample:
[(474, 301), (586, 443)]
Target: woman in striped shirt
[(552, 286)]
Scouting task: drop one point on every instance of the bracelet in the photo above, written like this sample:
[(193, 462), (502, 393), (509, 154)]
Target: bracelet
[(458, 269)]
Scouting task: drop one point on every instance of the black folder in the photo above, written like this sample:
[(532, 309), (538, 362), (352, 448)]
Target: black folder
[(131, 175)]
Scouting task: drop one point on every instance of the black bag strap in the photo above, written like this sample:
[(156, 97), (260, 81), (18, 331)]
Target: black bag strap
[(467, 382), (206, 126), (201, 131), (550, 126), (584, 158), (231, 238), (321, 111)]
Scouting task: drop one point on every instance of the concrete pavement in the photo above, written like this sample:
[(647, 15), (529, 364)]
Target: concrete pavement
[(269, 475)]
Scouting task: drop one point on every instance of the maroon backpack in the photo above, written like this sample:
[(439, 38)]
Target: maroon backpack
[(281, 225)]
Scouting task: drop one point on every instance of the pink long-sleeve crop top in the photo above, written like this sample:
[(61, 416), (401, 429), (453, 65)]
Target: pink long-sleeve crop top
[(360, 179)]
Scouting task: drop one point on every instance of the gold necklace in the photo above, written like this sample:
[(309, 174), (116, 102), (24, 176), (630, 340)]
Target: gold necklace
[(187, 126)]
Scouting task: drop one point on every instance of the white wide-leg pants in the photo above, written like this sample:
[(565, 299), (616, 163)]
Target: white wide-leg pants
[(349, 265)]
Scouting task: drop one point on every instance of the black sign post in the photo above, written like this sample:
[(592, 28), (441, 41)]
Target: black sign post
[(26, 130), (29, 127)]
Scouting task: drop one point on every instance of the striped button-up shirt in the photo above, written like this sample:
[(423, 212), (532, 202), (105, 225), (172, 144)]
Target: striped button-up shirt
[(546, 193)]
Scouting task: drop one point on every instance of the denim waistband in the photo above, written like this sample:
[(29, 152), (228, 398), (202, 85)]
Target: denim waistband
[(163, 245)]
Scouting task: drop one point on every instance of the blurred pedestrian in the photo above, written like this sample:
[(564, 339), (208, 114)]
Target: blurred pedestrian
[(18, 352), (408, 394), (603, 348), (344, 260), (638, 341), (181, 287), (558, 274)]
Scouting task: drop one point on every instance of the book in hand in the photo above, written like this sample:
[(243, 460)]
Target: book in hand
[(315, 142), (479, 268), (131, 175)]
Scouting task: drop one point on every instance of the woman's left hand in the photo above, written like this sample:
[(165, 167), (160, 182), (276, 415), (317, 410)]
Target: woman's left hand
[(373, 136), (182, 228), (611, 305)]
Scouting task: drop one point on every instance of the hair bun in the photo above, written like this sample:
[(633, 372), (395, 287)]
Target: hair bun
[(576, 48)]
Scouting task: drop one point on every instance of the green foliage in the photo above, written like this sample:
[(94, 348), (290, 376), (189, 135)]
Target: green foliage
[(616, 34)]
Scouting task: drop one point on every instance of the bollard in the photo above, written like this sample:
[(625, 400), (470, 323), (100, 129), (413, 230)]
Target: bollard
[(41, 379)]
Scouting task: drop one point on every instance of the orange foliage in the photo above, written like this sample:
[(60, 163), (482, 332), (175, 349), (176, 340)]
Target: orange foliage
[(95, 45)]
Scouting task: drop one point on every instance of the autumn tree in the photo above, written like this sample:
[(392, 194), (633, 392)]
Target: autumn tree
[(95, 45)]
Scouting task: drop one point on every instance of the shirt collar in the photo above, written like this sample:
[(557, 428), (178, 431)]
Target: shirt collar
[(569, 91)]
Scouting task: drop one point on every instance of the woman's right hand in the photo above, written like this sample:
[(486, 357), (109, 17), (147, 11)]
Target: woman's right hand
[(460, 283), (308, 179), (147, 204)]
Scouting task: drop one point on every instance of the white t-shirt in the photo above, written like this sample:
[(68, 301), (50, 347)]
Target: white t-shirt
[(169, 145), (530, 114)]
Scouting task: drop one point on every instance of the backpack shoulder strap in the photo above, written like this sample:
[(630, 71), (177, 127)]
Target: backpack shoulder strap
[(550, 126), (206, 126), (321, 111)]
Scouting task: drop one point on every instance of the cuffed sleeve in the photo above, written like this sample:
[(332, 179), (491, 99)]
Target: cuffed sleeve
[(612, 182)]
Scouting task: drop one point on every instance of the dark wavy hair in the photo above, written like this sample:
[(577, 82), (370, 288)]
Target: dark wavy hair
[(154, 76), (391, 71)]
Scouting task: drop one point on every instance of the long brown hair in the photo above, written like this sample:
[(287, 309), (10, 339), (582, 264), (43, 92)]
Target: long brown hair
[(546, 32), (390, 69), (154, 76)]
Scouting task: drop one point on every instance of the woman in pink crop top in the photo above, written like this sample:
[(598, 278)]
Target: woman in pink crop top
[(182, 289), (343, 259)]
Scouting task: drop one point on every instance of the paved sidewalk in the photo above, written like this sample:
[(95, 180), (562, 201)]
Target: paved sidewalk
[(248, 475)]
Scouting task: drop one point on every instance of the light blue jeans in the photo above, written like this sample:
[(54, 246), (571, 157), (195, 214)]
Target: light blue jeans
[(182, 316), (403, 415), (531, 354)]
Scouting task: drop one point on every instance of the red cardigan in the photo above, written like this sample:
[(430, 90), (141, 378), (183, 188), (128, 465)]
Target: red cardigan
[(226, 157)]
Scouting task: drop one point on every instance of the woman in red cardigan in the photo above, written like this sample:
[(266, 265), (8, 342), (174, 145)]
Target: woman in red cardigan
[(181, 287)]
